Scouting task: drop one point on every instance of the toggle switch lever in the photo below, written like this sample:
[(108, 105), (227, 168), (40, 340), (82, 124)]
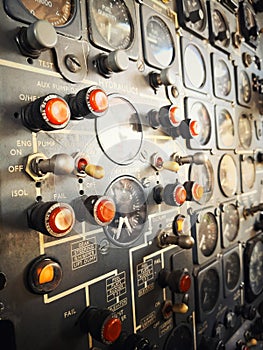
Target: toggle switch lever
[(183, 241)]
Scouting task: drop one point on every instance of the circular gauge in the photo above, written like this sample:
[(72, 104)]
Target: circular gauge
[(232, 270), (254, 269), (207, 234), (119, 131), (244, 131), (131, 211), (159, 41), (258, 127), (230, 222), (209, 290), (194, 66), (244, 87), (222, 78), (57, 12), (226, 128), (228, 175), (194, 11), (203, 174), (250, 23), (221, 28), (113, 22), (181, 338), (201, 115), (248, 172)]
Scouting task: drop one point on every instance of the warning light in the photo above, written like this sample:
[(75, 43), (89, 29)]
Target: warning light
[(185, 283), (104, 211), (179, 195), (61, 219), (57, 111), (174, 118), (197, 192), (112, 329), (97, 101), (194, 128)]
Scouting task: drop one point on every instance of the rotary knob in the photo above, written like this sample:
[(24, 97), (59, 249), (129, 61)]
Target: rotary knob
[(194, 191), (50, 112), (195, 16), (89, 103), (166, 77), (174, 194), (38, 37), (133, 342), (115, 62), (51, 218), (102, 324), (178, 281), (248, 312), (168, 117)]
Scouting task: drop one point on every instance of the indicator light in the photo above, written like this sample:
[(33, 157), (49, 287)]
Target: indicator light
[(104, 210), (194, 191), (51, 218), (44, 275), (98, 101), (174, 194), (179, 281), (194, 128), (57, 111), (112, 330), (181, 225), (185, 283), (179, 195), (174, 118)]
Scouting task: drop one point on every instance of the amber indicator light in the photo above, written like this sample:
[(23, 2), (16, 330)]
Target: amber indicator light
[(105, 210), (98, 101), (197, 192), (61, 219), (180, 195), (112, 329), (57, 111)]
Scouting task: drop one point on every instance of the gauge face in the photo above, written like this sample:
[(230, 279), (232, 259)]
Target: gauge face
[(226, 128), (248, 172), (232, 271), (222, 78), (228, 175), (209, 290), (131, 211), (201, 115), (203, 174), (244, 131), (220, 28), (56, 12), (250, 22), (181, 338), (194, 11), (112, 20), (159, 41), (244, 87), (207, 234), (194, 66), (119, 131), (255, 268), (230, 222)]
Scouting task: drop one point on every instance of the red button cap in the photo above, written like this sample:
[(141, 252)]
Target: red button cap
[(185, 283), (112, 329), (98, 101), (104, 210), (175, 120), (194, 128), (197, 192), (61, 219), (180, 195), (57, 111)]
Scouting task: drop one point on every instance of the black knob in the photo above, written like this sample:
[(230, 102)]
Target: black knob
[(252, 210), (208, 343), (195, 16), (50, 112), (102, 324), (248, 312), (174, 194), (230, 319), (132, 342), (179, 281), (223, 35), (51, 218), (115, 62), (88, 103), (166, 77), (38, 37), (260, 157)]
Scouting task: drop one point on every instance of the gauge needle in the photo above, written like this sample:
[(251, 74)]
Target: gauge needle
[(109, 32), (202, 241), (118, 233), (127, 223)]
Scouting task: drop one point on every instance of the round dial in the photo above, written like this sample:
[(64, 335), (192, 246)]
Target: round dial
[(220, 28), (248, 172), (232, 270), (57, 12), (230, 222), (207, 234), (119, 131), (181, 338), (226, 128), (194, 11), (250, 22), (159, 41), (112, 20), (194, 66), (201, 115), (254, 256), (209, 290), (228, 175), (222, 78), (245, 131), (244, 87), (203, 174), (131, 211)]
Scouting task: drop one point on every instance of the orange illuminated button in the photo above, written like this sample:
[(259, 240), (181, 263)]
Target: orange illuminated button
[(44, 275), (104, 211), (57, 111), (97, 100), (174, 118), (60, 219), (111, 330), (197, 192), (179, 195), (194, 128), (185, 283)]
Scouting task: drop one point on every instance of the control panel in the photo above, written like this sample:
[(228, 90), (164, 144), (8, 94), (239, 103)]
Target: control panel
[(131, 176)]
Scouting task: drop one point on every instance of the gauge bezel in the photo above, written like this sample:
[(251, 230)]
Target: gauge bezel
[(192, 143), (225, 108), (243, 25), (216, 57), (242, 144), (244, 186), (250, 245), (197, 44), (225, 242), (146, 14), (237, 251), (226, 18), (203, 315), (72, 28), (240, 100), (224, 191), (98, 41)]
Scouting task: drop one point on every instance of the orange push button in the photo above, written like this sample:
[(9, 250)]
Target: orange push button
[(179, 195), (57, 111), (174, 117), (61, 219), (104, 210), (112, 329), (194, 128), (98, 101), (46, 274)]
